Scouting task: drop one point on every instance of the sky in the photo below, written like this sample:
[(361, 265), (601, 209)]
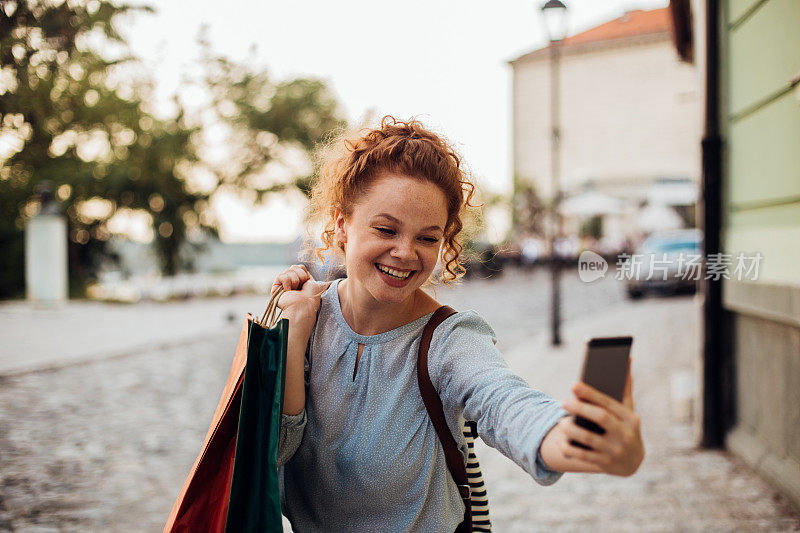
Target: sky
[(445, 63)]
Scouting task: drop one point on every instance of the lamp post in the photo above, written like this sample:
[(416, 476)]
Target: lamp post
[(554, 18)]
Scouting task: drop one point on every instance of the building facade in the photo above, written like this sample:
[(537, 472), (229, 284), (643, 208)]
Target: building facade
[(631, 112), (753, 366)]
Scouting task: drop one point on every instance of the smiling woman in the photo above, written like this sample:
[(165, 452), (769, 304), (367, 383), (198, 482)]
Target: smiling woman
[(359, 447)]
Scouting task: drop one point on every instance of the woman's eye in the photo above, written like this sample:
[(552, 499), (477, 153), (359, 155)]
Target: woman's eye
[(427, 240)]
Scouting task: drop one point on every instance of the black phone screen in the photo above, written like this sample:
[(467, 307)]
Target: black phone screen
[(605, 367)]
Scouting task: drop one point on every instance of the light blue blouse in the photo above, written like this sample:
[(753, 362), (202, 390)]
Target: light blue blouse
[(364, 456)]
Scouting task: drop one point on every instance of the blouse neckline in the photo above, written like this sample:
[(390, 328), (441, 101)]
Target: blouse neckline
[(370, 339)]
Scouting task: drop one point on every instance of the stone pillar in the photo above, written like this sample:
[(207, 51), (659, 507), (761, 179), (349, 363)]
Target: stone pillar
[(46, 278)]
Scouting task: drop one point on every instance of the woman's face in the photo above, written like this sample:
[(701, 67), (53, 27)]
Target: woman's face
[(393, 236)]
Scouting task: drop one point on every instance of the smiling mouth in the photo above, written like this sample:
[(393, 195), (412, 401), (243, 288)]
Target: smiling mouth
[(397, 274)]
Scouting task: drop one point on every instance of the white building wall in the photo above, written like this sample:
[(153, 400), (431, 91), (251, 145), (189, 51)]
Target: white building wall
[(632, 112)]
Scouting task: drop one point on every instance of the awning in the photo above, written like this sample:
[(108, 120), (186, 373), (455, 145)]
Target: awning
[(672, 192), (591, 203)]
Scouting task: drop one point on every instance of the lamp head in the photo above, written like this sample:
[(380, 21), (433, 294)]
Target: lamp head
[(554, 13)]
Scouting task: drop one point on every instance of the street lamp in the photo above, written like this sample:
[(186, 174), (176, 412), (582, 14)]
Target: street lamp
[(554, 15), (554, 18)]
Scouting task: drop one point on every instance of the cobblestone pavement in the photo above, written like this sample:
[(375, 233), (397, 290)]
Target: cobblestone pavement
[(105, 445)]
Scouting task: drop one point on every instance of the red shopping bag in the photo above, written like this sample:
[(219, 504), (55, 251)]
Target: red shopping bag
[(205, 497), (202, 503)]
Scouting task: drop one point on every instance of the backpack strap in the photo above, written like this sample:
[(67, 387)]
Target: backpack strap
[(433, 404)]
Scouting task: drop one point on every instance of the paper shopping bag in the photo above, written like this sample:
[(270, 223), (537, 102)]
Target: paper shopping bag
[(254, 497), (242, 467)]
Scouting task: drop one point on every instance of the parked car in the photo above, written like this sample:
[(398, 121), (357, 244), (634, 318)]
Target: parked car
[(667, 262)]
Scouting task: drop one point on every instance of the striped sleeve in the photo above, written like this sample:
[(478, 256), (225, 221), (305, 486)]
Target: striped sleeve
[(478, 495)]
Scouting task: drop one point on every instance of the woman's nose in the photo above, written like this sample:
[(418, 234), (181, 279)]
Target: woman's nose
[(404, 250)]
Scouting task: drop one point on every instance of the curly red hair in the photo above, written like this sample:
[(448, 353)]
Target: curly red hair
[(349, 163)]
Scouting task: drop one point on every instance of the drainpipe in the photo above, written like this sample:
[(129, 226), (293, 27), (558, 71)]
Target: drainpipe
[(714, 417)]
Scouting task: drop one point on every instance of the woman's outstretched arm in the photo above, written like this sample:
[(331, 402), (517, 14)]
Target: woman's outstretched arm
[(526, 425), (473, 379)]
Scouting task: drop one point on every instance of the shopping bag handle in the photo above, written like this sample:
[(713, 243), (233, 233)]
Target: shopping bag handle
[(273, 312)]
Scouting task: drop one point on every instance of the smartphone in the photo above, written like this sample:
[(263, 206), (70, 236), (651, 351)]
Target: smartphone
[(605, 367)]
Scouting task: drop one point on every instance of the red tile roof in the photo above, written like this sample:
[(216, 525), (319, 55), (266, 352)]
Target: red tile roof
[(631, 24)]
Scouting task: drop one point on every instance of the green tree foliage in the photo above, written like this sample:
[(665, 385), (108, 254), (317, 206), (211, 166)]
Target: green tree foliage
[(75, 111), (71, 117), (270, 124)]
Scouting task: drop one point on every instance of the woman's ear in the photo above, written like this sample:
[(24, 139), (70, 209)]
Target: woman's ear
[(340, 227)]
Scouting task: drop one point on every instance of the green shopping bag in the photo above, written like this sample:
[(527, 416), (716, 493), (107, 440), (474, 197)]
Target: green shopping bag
[(254, 498)]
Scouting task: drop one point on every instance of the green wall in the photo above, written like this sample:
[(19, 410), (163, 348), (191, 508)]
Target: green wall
[(761, 54), (762, 187)]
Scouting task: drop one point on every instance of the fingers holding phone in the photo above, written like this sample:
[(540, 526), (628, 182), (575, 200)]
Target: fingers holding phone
[(617, 450), (604, 428), (622, 411)]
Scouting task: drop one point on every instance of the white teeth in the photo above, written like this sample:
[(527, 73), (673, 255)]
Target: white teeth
[(394, 273)]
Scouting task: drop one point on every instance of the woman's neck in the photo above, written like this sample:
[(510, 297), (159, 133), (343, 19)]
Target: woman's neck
[(365, 316)]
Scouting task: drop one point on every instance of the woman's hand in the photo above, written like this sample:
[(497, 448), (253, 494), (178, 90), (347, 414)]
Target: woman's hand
[(619, 451), (301, 300), (291, 279)]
